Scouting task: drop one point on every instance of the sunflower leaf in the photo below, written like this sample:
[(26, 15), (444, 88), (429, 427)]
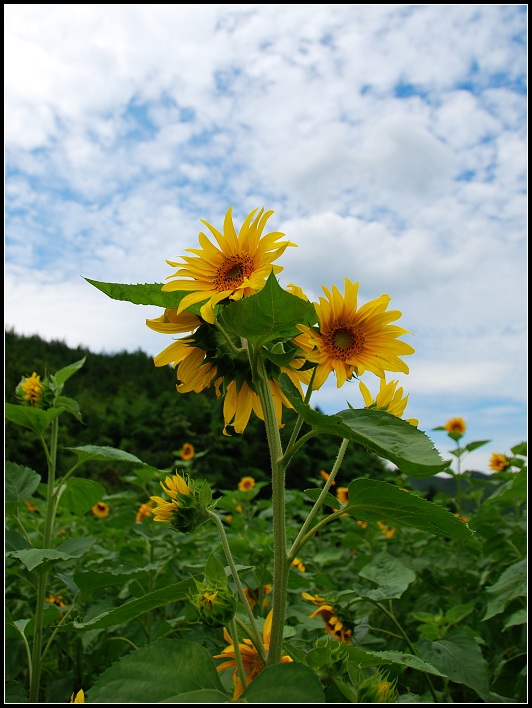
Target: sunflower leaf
[(370, 500), (144, 294), (390, 437), (270, 315)]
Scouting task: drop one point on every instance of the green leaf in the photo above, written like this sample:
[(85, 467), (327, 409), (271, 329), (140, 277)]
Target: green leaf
[(270, 314), (157, 673), (390, 437), (81, 495), (389, 574), (519, 617), (510, 585), (33, 418), (88, 581), (143, 294), (33, 557), (328, 499), (61, 377), (458, 656), (103, 453), (15, 693), (474, 445), (14, 541), (69, 405), (364, 658), (520, 449), (285, 683), (134, 608), (20, 482), (512, 491), (379, 501), (203, 695), (215, 570)]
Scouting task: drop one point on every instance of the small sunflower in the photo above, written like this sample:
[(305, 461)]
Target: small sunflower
[(334, 625), (455, 425), (326, 476), (350, 340), (246, 484), (165, 511), (187, 451), (78, 698), (342, 494), (56, 600), (298, 563), (250, 657), (144, 512), (389, 399), (387, 531), (238, 266), (101, 510), (30, 389), (498, 462)]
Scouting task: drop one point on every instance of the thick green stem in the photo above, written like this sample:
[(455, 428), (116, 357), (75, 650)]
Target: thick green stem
[(257, 640), (36, 659), (281, 566)]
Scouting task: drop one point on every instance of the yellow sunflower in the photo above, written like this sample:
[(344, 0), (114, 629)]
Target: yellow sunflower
[(351, 340), (498, 462), (389, 399), (187, 451), (164, 511), (250, 657), (238, 266), (101, 510), (334, 625), (31, 389), (78, 698), (298, 563), (455, 425), (246, 484)]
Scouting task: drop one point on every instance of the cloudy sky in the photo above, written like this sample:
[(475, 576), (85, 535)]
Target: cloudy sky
[(390, 141)]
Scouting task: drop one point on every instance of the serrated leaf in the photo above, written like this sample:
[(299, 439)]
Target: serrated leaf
[(511, 584), (364, 658), (20, 482), (33, 418), (458, 656), (328, 499), (379, 501), (143, 294), (285, 683), (270, 314), (390, 437), (156, 673), (102, 453), (516, 618), (33, 557), (81, 495), (389, 574), (134, 608)]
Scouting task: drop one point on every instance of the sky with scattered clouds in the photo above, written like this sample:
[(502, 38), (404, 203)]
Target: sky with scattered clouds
[(390, 141)]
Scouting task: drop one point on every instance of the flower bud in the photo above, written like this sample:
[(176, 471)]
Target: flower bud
[(215, 603)]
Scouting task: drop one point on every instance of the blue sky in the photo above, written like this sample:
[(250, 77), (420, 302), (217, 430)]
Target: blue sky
[(390, 141)]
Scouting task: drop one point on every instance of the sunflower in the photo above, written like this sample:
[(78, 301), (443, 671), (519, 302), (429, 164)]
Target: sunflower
[(31, 389), (78, 698), (101, 510), (238, 266), (298, 563), (144, 511), (187, 451), (455, 425), (334, 625), (342, 494), (250, 657), (498, 462), (389, 399), (164, 511), (246, 484), (350, 340)]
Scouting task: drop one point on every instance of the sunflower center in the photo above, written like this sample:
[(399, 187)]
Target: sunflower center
[(256, 667), (231, 274), (344, 341)]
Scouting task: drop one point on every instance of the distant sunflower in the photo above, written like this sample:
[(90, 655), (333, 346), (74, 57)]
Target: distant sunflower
[(498, 462), (350, 340), (187, 451), (101, 510), (389, 399), (238, 266), (456, 425)]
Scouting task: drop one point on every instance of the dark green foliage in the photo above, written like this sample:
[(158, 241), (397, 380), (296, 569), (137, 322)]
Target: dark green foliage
[(128, 403)]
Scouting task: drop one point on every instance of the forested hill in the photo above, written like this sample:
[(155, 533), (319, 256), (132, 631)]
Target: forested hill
[(128, 403)]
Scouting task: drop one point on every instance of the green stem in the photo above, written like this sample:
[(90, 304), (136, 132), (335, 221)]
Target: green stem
[(51, 456), (281, 566), (257, 639), (238, 656), (237, 351), (412, 648), (319, 501)]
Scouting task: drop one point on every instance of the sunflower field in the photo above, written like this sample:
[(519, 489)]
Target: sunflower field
[(330, 563)]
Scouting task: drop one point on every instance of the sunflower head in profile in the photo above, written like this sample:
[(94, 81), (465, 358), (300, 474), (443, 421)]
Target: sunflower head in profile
[(389, 399), (236, 266), (350, 340)]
